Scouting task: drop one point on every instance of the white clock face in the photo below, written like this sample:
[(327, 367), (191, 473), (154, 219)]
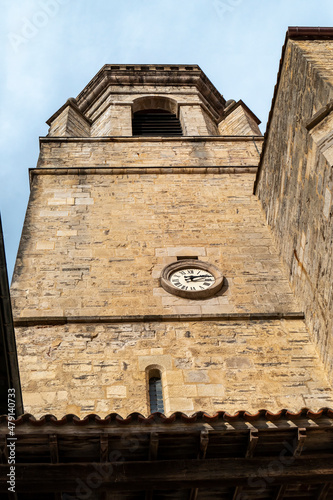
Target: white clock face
[(192, 279)]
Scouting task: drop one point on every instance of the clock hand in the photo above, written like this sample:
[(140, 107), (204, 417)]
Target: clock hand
[(201, 277)]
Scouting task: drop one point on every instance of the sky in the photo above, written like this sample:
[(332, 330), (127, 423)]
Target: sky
[(51, 49)]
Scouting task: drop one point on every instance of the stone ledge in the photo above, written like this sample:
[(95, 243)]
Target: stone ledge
[(183, 138), (319, 116), (142, 170), (62, 320)]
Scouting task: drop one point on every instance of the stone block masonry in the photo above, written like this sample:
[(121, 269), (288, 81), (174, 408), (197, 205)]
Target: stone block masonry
[(209, 366), (95, 245), (107, 213), (295, 184), (149, 152)]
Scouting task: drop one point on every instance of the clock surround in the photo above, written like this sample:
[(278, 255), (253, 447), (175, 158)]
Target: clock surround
[(192, 279)]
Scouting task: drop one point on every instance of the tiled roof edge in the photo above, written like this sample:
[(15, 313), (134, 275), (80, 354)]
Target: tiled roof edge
[(159, 418)]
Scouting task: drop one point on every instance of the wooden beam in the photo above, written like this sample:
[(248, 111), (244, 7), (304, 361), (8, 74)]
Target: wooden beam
[(203, 445), (153, 451), (3, 451), (104, 448), (301, 437), (153, 446), (12, 496), (251, 446), (169, 474), (323, 491), (237, 493), (193, 494), (252, 443), (280, 492), (204, 441), (54, 452)]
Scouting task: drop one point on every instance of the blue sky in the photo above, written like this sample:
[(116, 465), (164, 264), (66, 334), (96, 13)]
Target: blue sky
[(52, 48)]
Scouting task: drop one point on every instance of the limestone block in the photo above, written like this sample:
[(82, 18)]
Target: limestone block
[(69, 122), (176, 391), (211, 390), (193, 121), (115, 120), (239, 121), (164, 360), (45, 245), (68, 232), (238, 362), (180, 404), (116, 391), (196, 376)]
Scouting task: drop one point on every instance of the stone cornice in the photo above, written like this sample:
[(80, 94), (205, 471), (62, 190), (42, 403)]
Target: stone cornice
[(183, 138), (247, 169), (235, 105), (170, 75), (72, 104), (62, 320)]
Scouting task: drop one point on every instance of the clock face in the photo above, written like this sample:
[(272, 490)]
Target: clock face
[(192, 279)]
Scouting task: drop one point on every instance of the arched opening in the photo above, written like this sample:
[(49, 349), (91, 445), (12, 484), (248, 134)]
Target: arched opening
[(156, 403), (156, 122), (156, 116)]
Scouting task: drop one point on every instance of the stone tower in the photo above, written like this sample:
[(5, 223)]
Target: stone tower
[(147, 277)]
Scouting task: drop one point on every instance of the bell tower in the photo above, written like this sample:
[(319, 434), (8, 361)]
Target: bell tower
[(147, 278)]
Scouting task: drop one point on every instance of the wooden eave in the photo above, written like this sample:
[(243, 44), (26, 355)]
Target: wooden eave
[(264, 456)]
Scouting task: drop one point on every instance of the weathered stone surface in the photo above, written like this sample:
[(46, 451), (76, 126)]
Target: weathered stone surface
[(296, 183), (148, 152), (239, 122), (70, 123), (105, 254), (96, 239), (229, 366)]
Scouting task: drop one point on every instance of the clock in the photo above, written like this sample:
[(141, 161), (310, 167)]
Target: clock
[(192, 279)]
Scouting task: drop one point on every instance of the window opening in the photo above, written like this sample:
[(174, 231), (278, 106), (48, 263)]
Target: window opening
[(155, 394), (156, 122)]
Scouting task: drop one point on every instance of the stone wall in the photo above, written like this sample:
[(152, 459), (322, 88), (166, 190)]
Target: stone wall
[(239, 121), (296, 183), (105, 216), (69, 123), (208, 366), (116, 120), (95, 245), (145, 152)]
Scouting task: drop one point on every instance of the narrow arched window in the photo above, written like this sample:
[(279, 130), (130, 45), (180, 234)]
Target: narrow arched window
[(155, 392), (156, 122)]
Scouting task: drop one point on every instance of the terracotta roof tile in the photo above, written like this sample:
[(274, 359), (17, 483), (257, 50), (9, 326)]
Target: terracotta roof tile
[(159, 418)]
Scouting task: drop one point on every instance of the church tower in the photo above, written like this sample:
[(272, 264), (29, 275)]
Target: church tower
[(147, 278)]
